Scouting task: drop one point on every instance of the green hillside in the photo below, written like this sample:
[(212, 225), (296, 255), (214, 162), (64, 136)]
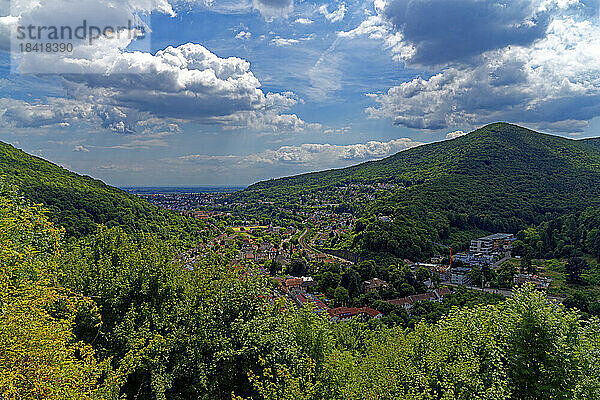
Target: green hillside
[(79, 203), (593, 142), (499, 177)]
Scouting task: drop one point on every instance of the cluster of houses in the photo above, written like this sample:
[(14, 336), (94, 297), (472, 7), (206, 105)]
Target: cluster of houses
[(296, 290), (482, 251), (257, 252), (373, 285)]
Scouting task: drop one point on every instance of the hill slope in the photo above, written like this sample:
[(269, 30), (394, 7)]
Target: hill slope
[(501, 177), (79, 203)]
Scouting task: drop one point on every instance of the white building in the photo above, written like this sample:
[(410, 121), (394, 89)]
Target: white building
[(487, 244)]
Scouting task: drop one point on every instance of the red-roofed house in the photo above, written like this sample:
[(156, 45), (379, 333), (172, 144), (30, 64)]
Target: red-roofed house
[(346, 313), (293, 285)]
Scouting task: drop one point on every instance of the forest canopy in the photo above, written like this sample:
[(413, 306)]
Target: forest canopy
[(113, 315)]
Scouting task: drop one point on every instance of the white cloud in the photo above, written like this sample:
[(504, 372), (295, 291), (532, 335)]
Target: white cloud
[(336, 15), (81, 148), (244, 35), (325, 75), (183, 83), (55, 112), (554, 85), (543, 71), (279, 41), (442, 31), (304, 21), (121, 88), (337, 131), (309, 155), (455, 134)]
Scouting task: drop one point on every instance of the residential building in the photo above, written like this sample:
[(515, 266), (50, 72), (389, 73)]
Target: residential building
[(459, 276), (475, 259), (308, 298), (373, 285), (346, 313), (308, 281), (487, 244), (293, 286)]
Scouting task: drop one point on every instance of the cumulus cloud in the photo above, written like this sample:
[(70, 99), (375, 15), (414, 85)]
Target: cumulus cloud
[(310, 155), (304, 21), (554, 85), (81, 149), (244, 35), (186, 83), (534, 62), (126, 19), (455, 134), (336, 15), (443, 31), (120, 88), (56, 112)]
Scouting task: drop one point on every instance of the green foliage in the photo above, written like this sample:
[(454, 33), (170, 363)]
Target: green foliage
[(142, 326), (39, 354), (574, 268), (386, 242), (79, 203), (498, 178), (185, 334), (298, 267), (523, 348), (568, 236)]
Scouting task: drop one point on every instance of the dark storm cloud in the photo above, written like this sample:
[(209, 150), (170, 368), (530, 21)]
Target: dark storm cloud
[(444, 31)]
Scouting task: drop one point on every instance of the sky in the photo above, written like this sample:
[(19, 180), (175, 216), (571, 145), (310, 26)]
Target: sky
[(230, 92)]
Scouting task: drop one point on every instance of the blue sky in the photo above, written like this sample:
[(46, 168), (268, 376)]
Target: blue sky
[(234, 91)]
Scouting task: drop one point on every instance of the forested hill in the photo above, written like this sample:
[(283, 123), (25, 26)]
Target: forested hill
[(79, 203), (499, 177), (593, 142)]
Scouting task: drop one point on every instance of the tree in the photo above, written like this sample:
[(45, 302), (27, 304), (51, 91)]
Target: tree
[(578, 300), (40, 356), (274, 267), (574, 268), (298, 267), (504, 275), (366, 269), (436, 279), (341, 296), (422, 274), (526, 263), (351, 281), (475, 276)]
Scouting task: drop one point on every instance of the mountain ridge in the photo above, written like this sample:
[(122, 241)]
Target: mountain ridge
[(500, 177), (80, 203), (480, 134)]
